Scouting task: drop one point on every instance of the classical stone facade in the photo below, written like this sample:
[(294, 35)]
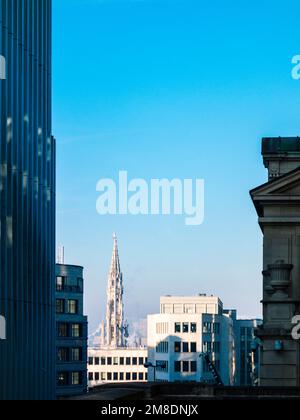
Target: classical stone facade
[(278, 206)]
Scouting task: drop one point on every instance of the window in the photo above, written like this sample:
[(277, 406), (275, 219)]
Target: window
[(128, 376), (116, 376), (193, 327), (91, 361), (134, 361), (122, 360), (109, 376), (76, 354), (109, 361), (177, 327), (177, 367), (185, 327), (141, 376), (76, 378), (193, 347), (207, 327), (103, 376), (62, 379), (62, 354), (185, 347), (134, 376), (97, 376), (141, 361), (193, 367), (97, 361), (103, 361), (207, 347), (60, 306), (177, 347), (72, 306), (60, 283), (62, 330), (116, 361), (76, 330), (185, 366), (128, 361), (162, 347), (121, 376), (91, 376)]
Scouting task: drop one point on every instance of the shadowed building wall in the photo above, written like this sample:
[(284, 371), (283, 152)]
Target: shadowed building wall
[(27, 202)]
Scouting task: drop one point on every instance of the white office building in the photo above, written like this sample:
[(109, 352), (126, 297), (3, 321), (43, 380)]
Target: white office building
[(185, 329)]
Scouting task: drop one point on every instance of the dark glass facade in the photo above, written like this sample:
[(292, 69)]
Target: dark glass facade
[(27, 202)]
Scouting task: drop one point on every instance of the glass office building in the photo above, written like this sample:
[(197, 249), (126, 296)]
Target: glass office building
[(27, 202)]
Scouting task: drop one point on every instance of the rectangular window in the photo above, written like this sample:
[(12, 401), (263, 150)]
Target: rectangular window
[(122, 361), (134, 361), (109, 376), (72, 306), (60, 284), (128, 376), (193, 327), (109, 361), (91, 376), (177, 367), (128, 361), (193, 347), (116, 376), (134, 376), (76, 354), (121, 376), (91, 361), (62, 354), (207, 347), (76, 378), (207, 328), (141, 376), (185, 347), (185, 327), (76, 330), (103, 361), (177, 347), (62, 329), (185, 366), (141, 361), (116, 361), (193, 367), (103, 376), (60, 306), (97, 376), (177, 328), (62, 379), (97, 361)]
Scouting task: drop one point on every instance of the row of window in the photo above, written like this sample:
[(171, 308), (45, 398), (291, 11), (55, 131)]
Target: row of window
[(63, 286), (118, 376), (70, 378), (117, 361), (162, 347), (211, 328), (65, 354), (66, 329), (211, 347), (183, 347), (185, 327), (185, 367), (69, 306)]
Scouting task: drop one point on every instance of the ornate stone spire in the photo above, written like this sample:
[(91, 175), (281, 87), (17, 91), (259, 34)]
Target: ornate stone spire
[(115, 327)]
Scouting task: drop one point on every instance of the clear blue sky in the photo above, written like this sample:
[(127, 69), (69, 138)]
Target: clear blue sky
[(170, 88)]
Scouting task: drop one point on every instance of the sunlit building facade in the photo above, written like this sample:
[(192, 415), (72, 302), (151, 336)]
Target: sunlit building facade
[(27, 202)]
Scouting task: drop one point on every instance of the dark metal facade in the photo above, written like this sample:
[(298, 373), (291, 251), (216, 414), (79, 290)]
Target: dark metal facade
[(27, 202)]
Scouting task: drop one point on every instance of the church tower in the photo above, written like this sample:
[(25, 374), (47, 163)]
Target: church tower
[(115, 326)]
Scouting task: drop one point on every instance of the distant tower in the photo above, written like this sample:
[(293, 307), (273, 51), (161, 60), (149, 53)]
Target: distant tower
[(115, 326)]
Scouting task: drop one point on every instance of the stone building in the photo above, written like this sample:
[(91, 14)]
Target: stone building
[(277, 203)]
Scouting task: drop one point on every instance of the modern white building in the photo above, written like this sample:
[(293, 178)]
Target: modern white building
[(185, 329), (117, 365)]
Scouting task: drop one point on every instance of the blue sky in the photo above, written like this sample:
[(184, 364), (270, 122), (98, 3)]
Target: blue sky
[(175, 89)]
